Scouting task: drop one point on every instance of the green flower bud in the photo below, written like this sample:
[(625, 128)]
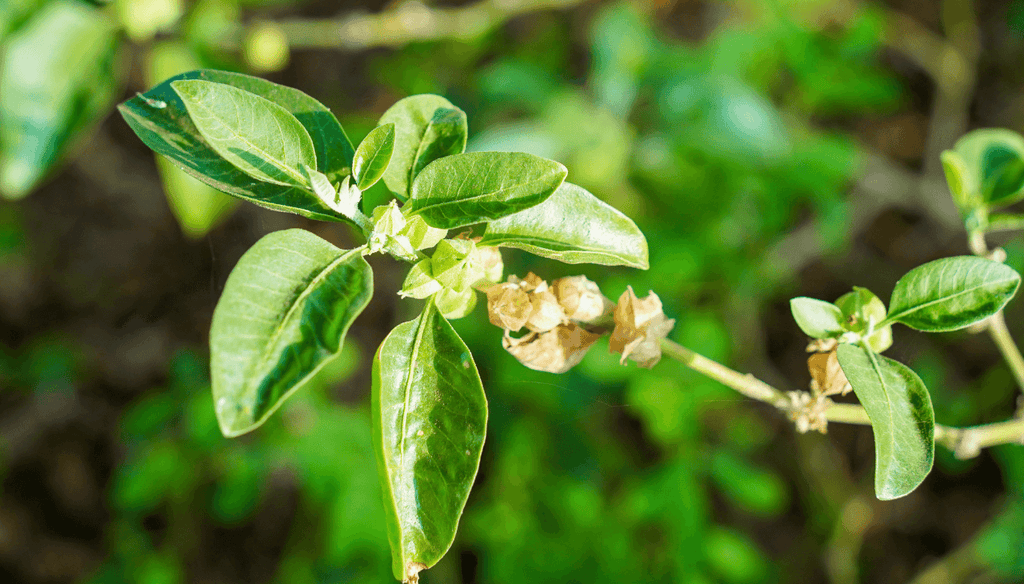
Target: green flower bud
[(420, 282), (453, 304), (450, 266), (421, 235)]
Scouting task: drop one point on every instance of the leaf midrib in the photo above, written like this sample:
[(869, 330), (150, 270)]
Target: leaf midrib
[(273, 162), (444, 203), (407, 391), (278, 330), (897, 316), (890, 435)]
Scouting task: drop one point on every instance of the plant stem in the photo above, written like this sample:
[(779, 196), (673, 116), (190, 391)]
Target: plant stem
[(1001, 336), (963, 442)]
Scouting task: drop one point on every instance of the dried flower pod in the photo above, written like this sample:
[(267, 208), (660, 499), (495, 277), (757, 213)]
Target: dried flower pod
[(640, 326), (488, 260), (547, 313), (554, 351), (508, 306), (827, 377), (581, 298)]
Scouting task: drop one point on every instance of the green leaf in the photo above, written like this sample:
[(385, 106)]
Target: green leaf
[(282, 316), (575, 227), (817, 318), (429, 421), (160, 119), (427, 127), (863, 310), (373, 155), (991, 164), (965, 193), (463, 189), (900, 410), (57, 77), (952, 293), (197, 207), (255, 134)]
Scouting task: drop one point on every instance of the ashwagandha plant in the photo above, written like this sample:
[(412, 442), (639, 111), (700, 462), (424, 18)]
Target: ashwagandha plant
[(290, 300)]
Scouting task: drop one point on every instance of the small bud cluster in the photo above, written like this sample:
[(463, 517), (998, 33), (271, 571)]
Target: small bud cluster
[(452, 273), (401, 236), (564, 321)]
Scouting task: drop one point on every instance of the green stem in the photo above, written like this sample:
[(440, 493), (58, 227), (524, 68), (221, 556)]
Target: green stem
[(1001, 336), (963, 442)]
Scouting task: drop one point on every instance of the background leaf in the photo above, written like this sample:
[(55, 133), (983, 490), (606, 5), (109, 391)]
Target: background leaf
[(902, 420), (159, 118), (255, 134), (283, 314), (463, 189), (56, 79), (572, 226), (427, 127), (993, 162), (429, 421), (373, 155), (817, 318), (952, 293)]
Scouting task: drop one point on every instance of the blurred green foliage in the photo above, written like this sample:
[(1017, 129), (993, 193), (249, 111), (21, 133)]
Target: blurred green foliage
[(605, 474)]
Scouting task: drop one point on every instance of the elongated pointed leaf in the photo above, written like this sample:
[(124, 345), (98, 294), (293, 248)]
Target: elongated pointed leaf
[(575, 227), (474, 187), (902, 420), (159, 118), (952, 293), (429, 421), (256, 135), (283, 314), (900, 410), (373, 155), (427, 127), (817, 318)]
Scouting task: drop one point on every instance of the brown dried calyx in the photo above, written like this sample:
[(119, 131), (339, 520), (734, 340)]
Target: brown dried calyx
[(553, 315), (640, 326), (827, 377)]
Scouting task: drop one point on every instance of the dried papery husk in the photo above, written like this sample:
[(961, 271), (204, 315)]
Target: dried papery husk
[(554, 351), (640, 326), (488, 261), (827, 377), (547, 313), (581, 299), (808, 412), (508, 306)]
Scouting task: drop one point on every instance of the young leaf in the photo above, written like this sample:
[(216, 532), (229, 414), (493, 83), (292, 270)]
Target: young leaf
[(575, 227), (282, 316), (463, 189), (817, 318), (900, 410), (993, 165), (952, 293), (860, 310), (160, 119), (373, 155), (427, 127), (58, 76), (255, 134), (429, 421)]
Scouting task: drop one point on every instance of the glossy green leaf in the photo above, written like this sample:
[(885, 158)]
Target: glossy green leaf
[(57, 77), (817, 318), (463, 189), (575, 227), (160, 119), (427, 127), (282, 316), (960, 180), (373, 155), (990, 163), (429, 421), (255, 134), (900, 410), (952, 293)]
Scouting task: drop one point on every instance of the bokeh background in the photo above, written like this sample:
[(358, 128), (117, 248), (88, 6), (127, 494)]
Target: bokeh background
[(767, 148)]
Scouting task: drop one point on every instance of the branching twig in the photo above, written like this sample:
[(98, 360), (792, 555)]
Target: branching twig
[(963, 442)]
